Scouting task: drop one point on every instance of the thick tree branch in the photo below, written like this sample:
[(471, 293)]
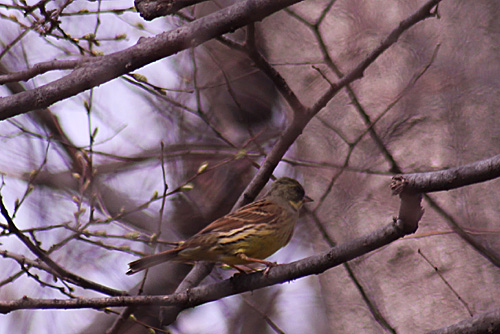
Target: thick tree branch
[(148, 50), (476, 172), (241, 283), (169, 314), (151, 9), (302, 115)]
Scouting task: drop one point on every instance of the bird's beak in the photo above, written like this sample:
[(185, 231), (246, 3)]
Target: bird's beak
[(308, 199)]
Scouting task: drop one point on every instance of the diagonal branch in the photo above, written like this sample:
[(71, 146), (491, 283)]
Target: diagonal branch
[(302, 117), (148, 50)]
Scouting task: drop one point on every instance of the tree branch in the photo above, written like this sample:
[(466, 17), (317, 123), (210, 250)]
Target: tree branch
[(476, 172), (22, 260), (148, 50), (41, 68), (302, 117), (55, 268), (237, 284), (421, 14), (151, 9)]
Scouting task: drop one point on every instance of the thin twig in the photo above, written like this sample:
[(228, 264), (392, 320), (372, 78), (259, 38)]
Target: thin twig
[(438, 272), (55, 268)]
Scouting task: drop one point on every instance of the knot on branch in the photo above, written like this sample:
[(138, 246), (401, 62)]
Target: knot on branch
[(398, 184), (151, 9)]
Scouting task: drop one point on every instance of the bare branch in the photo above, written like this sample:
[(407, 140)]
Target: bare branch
[(151, 9), (55, 268), (22, 260), (302, 115), (237, 284), (476, 172), (200, 270), (148, 50), (41, 68), (302, 118)]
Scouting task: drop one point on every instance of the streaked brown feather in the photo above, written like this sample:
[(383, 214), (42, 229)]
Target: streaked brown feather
[(247, 235), (259, 212)]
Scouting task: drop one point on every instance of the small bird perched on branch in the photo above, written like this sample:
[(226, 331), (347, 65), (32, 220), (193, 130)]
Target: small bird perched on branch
[(248, 235)]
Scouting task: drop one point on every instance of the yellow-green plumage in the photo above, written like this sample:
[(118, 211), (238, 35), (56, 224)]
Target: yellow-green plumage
[(250, 234)]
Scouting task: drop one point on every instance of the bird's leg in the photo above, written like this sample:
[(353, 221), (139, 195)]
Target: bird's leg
[(241, 270), (252, 259), (268, 264)]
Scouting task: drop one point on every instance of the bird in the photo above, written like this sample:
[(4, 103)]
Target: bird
[(247, 235)]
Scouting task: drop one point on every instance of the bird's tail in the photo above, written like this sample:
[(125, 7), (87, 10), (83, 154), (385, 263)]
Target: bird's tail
[(152, 260)]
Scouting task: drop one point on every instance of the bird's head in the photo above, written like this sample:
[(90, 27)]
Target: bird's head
[(290, 190)]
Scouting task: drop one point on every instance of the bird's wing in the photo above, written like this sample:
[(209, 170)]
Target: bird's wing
[(259, 212)]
